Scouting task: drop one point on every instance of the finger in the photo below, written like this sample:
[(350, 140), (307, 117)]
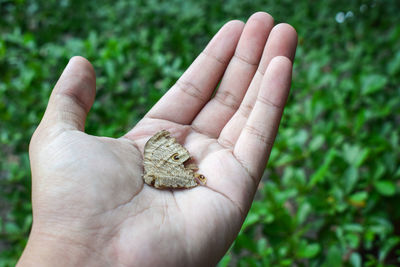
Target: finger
[(255, 141), (282, 41), (237, 76), (73, 96), (187, 97)]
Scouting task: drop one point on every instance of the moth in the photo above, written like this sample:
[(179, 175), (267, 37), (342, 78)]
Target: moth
[(164, 164)]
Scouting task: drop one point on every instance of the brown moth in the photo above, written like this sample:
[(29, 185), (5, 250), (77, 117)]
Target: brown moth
[(164, 167)]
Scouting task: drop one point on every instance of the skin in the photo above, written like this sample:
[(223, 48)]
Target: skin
[(90, 205)]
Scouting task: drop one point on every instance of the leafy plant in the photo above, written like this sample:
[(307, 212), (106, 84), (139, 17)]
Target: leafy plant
[(330, 193)]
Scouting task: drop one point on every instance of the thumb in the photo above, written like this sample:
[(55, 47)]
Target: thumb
[(72, 97)]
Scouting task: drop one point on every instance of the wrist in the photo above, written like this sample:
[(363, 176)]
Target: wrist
[(47, 249)]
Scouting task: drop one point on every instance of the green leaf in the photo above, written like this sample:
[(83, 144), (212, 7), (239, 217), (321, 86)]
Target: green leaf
[(246, 242), (373, 83), (387, 247), (303, 211), (355, 259), (2, 49), (354, 155), (385, 187), (394, 64), (319, 175), (224, 262), (353, 227), (251, 219), (333, 257), (286, 262), (307, 251), (358, 199), (350, 177), (316, 142), (352, 240), (12, 228)]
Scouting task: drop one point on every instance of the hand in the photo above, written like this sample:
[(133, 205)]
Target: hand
[(90, 205)]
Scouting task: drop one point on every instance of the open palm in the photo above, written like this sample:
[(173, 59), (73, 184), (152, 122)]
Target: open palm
[(88, 194)]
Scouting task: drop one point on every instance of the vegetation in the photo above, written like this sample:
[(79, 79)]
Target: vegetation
[(332, 185)]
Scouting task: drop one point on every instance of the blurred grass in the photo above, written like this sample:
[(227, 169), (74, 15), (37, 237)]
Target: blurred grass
[(333, 177)]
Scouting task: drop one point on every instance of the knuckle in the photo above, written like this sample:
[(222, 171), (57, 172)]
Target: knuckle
[(245, 110), (259, 135), (228, 99), (190, 89), (269, 103)]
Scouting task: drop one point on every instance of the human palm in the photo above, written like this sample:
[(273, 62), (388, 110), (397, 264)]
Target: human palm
[(88, 191)]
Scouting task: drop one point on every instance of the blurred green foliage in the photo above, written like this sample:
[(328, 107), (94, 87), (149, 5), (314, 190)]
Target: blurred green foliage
[(333, 177)]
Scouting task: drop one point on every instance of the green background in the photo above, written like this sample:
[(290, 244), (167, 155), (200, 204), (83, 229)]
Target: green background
[(333, 187)]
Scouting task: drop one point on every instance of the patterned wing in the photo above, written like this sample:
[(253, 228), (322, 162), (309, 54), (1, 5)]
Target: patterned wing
[(164, 160)]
